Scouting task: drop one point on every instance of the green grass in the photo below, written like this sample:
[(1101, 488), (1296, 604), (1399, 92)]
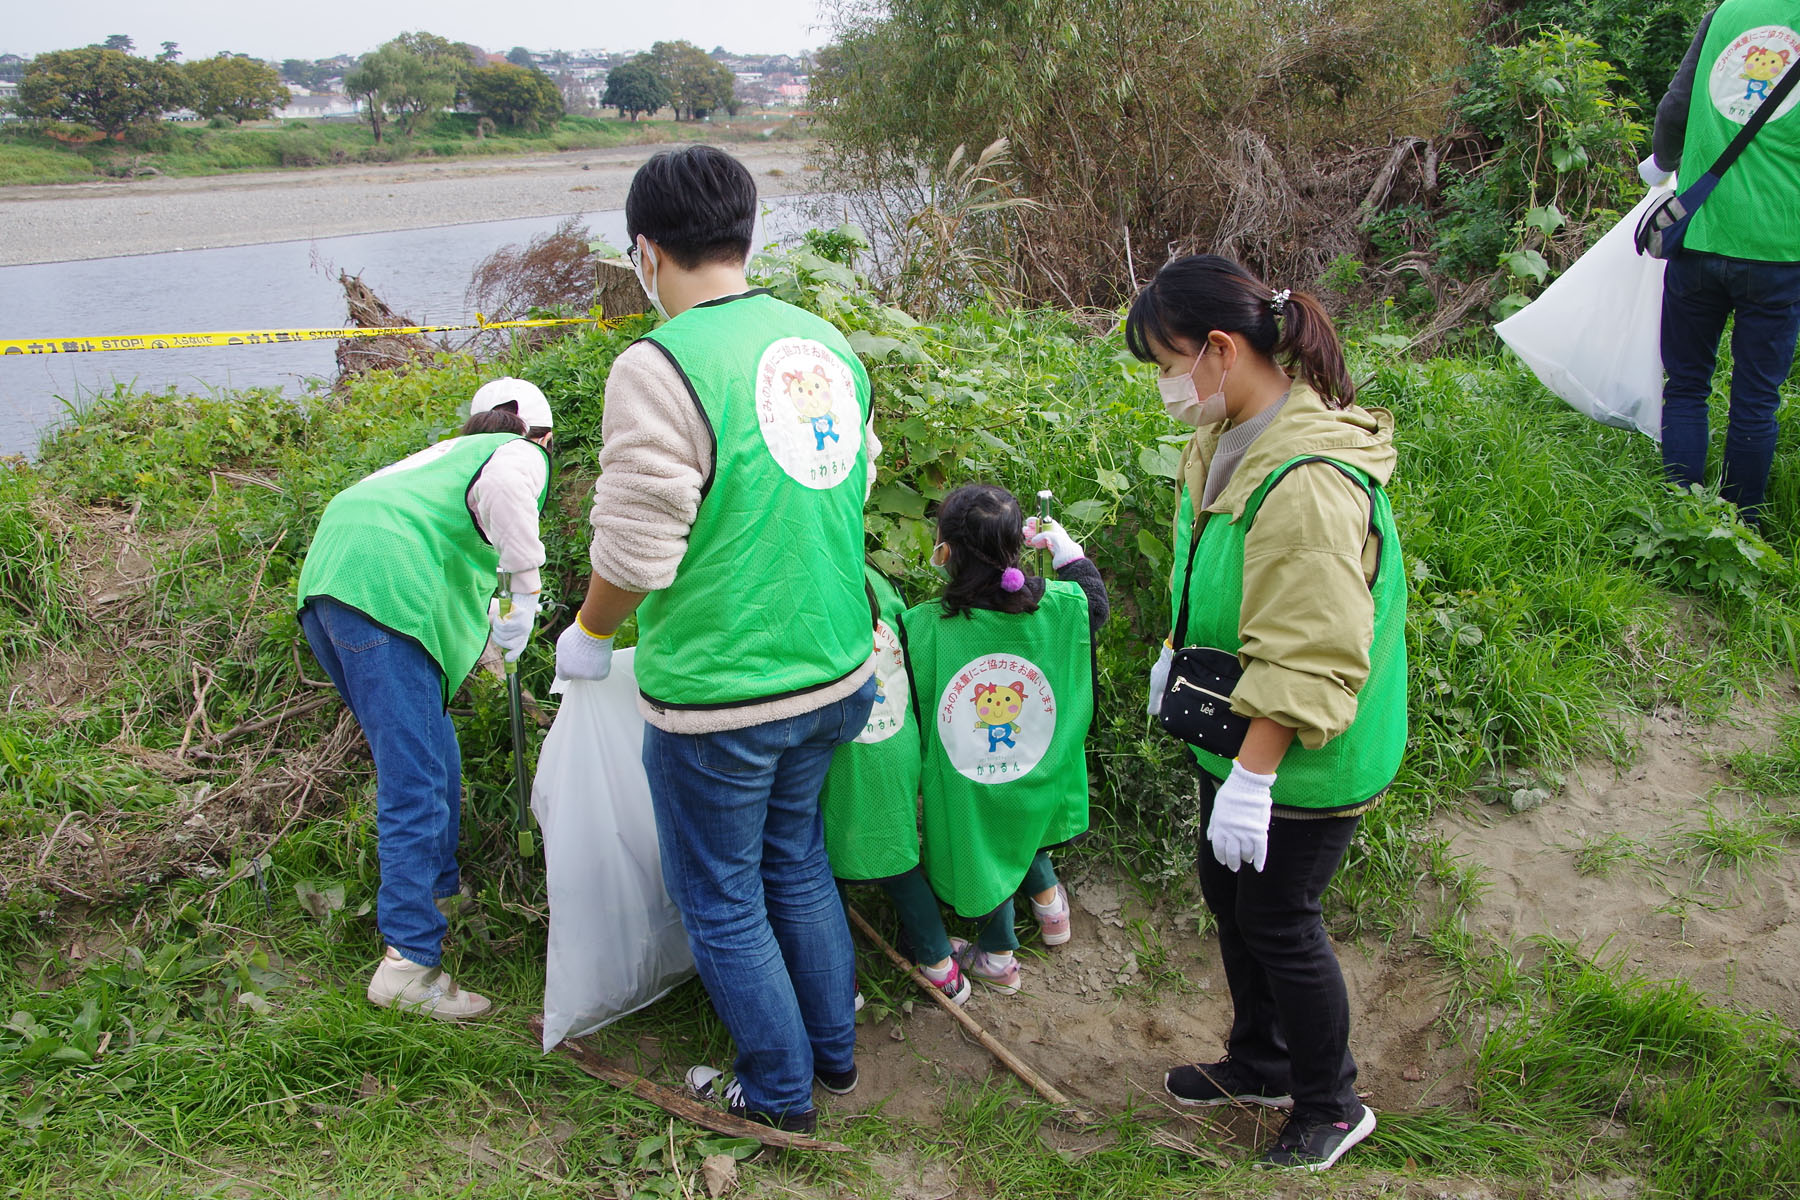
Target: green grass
[(29, 157), (236, 1041)]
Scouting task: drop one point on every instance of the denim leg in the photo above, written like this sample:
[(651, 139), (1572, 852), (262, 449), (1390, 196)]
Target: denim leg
[(1696, 302), (798, 887), (920, 918), (395, 690), (743, 853), (449, 875), (1763, 335)]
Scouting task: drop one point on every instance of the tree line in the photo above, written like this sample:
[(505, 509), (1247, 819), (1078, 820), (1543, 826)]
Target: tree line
[(109, 88)]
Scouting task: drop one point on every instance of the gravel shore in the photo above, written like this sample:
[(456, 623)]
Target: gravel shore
[(61, 222)]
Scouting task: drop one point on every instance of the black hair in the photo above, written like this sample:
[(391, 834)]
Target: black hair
[(1200, 294), (698, 204), (985, 531), (502, 418)]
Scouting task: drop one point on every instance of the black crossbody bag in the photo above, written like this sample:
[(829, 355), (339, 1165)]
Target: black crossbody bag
[(1196, 704), (1661, 231)]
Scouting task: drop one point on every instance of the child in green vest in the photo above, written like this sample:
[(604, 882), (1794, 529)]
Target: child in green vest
[(1001, 671)]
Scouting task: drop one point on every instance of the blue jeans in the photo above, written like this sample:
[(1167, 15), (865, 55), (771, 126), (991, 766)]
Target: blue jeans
[(395, 690), (1699, 292), (743, 855)]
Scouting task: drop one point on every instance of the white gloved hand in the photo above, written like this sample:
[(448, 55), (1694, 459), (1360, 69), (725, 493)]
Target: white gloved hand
[(1239, 829), (512, 631), (1653, 175), (583, 655), (1054, 538), (1159, 679)]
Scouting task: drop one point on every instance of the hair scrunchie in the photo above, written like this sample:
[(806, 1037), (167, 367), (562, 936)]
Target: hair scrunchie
[(1012, 579)]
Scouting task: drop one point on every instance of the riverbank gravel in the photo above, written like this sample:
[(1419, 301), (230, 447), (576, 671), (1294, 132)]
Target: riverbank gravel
[(63, 222)]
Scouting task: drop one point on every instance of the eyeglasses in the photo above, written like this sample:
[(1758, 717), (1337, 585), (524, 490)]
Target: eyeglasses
[(631, 254)]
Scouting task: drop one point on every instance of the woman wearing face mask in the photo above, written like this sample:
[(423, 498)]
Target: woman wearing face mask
[(1286, 556)]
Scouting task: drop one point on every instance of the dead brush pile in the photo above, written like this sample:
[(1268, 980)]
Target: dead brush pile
[(191, 784), (1141, 129)]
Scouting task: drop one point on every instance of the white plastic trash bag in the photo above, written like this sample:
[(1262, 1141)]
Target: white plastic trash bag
[(1594, 336), (616, 941)]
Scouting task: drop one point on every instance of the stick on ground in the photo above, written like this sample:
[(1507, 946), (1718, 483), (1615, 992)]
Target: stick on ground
[(993, 1045), (679, 1105)]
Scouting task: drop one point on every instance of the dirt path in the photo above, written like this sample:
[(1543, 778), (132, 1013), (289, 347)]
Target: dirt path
[(59, 222)]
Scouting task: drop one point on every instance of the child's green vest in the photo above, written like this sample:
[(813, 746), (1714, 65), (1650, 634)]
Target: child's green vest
[(768, 600), (871, 795), (1004, 701), (1359, 763)]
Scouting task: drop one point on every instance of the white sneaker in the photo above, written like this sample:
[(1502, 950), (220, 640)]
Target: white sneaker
[(400, 982)]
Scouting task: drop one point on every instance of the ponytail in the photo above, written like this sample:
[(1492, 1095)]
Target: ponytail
[(1309, 342), (1197, 295)]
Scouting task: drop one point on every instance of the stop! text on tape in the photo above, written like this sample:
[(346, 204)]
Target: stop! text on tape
[(266, 337)]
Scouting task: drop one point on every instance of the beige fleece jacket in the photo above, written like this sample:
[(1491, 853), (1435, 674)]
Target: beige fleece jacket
[(1308, 618), (656, 453)]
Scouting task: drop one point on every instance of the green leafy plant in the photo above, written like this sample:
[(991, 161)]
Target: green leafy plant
[(1696, 539)]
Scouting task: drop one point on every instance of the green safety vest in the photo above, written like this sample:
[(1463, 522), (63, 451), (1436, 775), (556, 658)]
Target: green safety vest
[(768, 600), (1755, 212), (871, 795), (1004, 701), (1358, 764), (402, 548)]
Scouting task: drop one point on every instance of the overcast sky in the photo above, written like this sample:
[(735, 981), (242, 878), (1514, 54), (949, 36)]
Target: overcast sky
[(300, 30)]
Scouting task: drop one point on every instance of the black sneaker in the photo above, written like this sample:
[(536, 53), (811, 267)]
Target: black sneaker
[(1306, 1144), (1223, 1082), (839, 1083), (703, 1083)]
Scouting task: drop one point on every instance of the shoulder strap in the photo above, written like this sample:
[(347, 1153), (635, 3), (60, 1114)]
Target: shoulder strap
[(1255, 505)]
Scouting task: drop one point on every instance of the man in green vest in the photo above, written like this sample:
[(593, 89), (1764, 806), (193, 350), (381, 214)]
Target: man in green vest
[(737, 451), (394, 599), (1741, 254)]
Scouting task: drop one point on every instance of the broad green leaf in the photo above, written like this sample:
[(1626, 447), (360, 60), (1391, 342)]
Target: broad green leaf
[(1546, 219), (1527, 264), (1112, 481), (872, 345), (1161, 460), (1087, 510), (897, 498)]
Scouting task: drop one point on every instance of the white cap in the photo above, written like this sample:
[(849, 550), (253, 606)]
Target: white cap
[(522, 395)]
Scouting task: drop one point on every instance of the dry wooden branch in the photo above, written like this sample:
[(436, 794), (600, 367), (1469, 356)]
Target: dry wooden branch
[(298, 709), (993, 1045), (678, 1105)]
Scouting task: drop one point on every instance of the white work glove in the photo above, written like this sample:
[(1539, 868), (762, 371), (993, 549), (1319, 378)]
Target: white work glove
[(583, 655), (1159, 678), (1239, 830), (1653, 175), (1054, 538), (512, 631)]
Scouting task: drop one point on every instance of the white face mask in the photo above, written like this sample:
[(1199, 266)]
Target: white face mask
[(646, 255), (1182, 399)]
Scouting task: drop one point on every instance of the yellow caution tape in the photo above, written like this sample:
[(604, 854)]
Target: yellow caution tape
[(265, 337)]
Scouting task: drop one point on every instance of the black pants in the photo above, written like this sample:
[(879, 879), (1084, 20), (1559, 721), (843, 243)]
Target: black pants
[(1291, 1015)]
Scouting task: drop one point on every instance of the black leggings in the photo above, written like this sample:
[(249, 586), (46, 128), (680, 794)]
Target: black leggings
[(1291, 1016)]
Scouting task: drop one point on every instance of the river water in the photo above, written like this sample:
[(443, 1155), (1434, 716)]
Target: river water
[(421, 273)]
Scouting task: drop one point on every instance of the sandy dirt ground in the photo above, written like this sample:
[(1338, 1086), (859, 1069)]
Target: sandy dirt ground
[(1089, 1020), (59, 222)]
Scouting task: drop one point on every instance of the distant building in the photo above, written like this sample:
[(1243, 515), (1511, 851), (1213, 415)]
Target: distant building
[(9, 91), (318, 106)]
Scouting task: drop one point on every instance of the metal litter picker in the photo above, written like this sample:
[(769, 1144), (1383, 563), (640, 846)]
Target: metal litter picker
[(524, 841)]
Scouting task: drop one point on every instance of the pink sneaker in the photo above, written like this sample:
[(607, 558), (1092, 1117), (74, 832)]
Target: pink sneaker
[(954, 984), (1000, 974), (1054, 924)]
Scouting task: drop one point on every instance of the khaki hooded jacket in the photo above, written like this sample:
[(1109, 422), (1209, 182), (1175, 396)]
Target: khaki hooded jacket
[(1308, 618)]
